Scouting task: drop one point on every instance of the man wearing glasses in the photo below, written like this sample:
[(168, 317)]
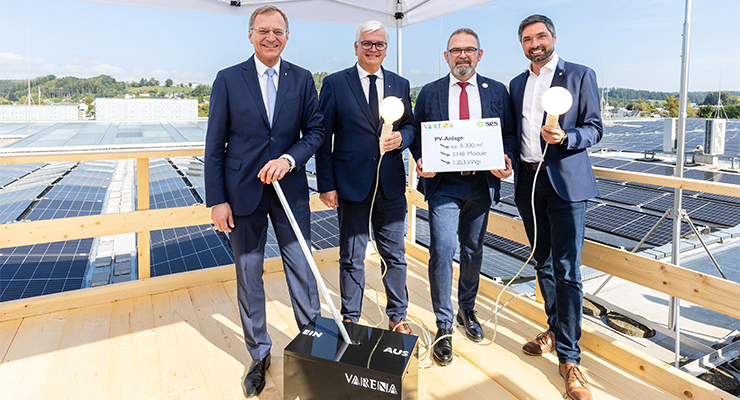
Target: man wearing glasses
[(459, 201), (264, 125), (346, 166)]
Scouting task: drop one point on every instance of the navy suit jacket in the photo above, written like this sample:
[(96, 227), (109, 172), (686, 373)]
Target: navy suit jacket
[(433, 105), (240, 141), (569, 167), (348, 159)]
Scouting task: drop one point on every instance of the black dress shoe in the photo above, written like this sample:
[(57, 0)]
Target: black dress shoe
[(443, 349), (255, 380), (467, 319)]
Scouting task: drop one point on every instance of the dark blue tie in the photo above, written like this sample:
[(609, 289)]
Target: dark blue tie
[(373, 99)]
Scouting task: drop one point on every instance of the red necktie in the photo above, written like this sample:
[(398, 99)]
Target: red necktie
[(464, 111)]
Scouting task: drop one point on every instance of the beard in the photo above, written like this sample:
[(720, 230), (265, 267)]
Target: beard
[(463, 69), (544, 56)]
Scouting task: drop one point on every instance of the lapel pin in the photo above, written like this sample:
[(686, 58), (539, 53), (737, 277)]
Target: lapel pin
[(485, 85), (561, 74)]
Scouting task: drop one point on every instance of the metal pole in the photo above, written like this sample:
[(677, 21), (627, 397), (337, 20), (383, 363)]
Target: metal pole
[(311, 262), (399, 27), (674, 306)]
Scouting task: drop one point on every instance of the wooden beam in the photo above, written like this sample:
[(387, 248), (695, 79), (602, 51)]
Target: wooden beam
[(86, 153), (25, 233), (143, 244), (670, 181), (705, 290)]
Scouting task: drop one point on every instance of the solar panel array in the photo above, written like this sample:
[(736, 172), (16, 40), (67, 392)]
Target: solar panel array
[(57, 190), (188, 248)]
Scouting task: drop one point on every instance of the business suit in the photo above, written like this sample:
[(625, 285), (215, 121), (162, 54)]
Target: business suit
[(462, 202), (561, 191), (239, 142), (347, 162)]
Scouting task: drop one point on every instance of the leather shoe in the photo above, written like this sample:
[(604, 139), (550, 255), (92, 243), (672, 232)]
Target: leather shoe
[(400, 326), (542, 344), (468, 319), (576, 385), (255, 380), (443, 349)]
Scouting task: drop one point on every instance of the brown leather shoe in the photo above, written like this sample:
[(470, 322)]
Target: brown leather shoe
[(576, 385), (542, 344), (400, 326)]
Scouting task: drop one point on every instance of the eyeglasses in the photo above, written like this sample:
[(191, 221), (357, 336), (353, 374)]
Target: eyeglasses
[(367, 45), (265, 31), (456, 51)]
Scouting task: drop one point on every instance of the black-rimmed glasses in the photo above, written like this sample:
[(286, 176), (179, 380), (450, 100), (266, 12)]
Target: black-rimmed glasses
[(456, 51), (367, 45)]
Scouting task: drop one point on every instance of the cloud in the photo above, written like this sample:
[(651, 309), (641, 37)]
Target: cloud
[(15, 66)]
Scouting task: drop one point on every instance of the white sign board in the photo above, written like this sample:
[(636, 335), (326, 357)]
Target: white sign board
[(464, 145)]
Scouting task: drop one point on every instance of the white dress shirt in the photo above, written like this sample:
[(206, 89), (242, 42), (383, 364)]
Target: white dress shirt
[(365, 81), (262, 77), (474, 106), (532, 111)]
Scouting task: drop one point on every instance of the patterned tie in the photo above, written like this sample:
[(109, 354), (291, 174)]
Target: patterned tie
[(271, 94), (373, 99), (464, 110)]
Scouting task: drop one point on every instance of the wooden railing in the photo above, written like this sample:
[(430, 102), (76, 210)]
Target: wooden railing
[(704, 290)]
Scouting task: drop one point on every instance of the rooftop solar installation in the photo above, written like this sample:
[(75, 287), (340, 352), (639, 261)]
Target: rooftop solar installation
[(42, 191)]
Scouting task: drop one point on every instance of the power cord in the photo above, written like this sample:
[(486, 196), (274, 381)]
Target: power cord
[(424, 329)]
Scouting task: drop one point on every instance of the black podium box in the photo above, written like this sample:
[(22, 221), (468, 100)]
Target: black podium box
[(379, 365)]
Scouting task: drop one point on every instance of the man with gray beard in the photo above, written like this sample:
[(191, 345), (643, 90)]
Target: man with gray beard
[(459, 201)]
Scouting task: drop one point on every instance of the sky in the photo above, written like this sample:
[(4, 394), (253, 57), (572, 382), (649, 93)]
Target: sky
[(632, 44)]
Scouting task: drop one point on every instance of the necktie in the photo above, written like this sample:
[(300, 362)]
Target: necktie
[(271, 94), (373, 99), (464, 110)]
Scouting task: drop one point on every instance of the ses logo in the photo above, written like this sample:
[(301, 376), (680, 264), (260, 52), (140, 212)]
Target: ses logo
[(438, 125), (487, 124)]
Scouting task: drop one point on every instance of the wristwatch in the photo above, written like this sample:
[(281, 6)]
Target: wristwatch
[(290, 163)]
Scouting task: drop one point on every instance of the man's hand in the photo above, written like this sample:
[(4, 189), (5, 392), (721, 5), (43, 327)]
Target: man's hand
[(274, 170), (422, 174), (553, 135), (222, 217), (503, 173), (330, 199), (393, 141)]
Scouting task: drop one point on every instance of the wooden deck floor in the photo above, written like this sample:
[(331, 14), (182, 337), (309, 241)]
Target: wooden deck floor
[(188, 343)]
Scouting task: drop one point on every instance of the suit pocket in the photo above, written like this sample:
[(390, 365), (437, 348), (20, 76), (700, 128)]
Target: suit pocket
[(233, 163), (342, 155)]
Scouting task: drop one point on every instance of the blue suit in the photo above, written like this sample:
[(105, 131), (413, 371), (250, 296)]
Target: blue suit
[(561, 191), (459, 205), (239, 142), (347, 162)]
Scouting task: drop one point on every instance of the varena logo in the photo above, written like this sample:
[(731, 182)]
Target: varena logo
[(438, 125), (372, 384)]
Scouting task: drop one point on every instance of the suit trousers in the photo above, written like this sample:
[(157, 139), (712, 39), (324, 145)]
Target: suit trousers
[(248, 240), (458, 208), (560, 235), (388, 228)]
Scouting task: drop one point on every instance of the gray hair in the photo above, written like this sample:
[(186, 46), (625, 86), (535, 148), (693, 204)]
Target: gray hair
[(466, 31), (267, 10), (533, 19), (370, 26)]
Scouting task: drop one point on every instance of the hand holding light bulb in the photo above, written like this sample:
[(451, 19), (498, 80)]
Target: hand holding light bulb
[(555, 101)]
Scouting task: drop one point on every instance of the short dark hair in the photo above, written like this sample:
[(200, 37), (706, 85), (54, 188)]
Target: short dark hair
[(533, 19), (466, 31), (267, 10)]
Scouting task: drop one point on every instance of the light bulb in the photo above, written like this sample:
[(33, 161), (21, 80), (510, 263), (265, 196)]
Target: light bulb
[(556, 101), (391, 109)]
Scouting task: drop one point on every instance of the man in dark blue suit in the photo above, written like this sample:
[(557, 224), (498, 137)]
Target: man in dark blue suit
[(264, 124), (563, 184), (346, 166), (459, 202)]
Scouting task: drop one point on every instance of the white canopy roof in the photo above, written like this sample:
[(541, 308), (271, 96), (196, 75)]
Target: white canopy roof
[(336, 11)]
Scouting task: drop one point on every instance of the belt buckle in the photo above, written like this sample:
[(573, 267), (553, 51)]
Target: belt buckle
[(467, 173)]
